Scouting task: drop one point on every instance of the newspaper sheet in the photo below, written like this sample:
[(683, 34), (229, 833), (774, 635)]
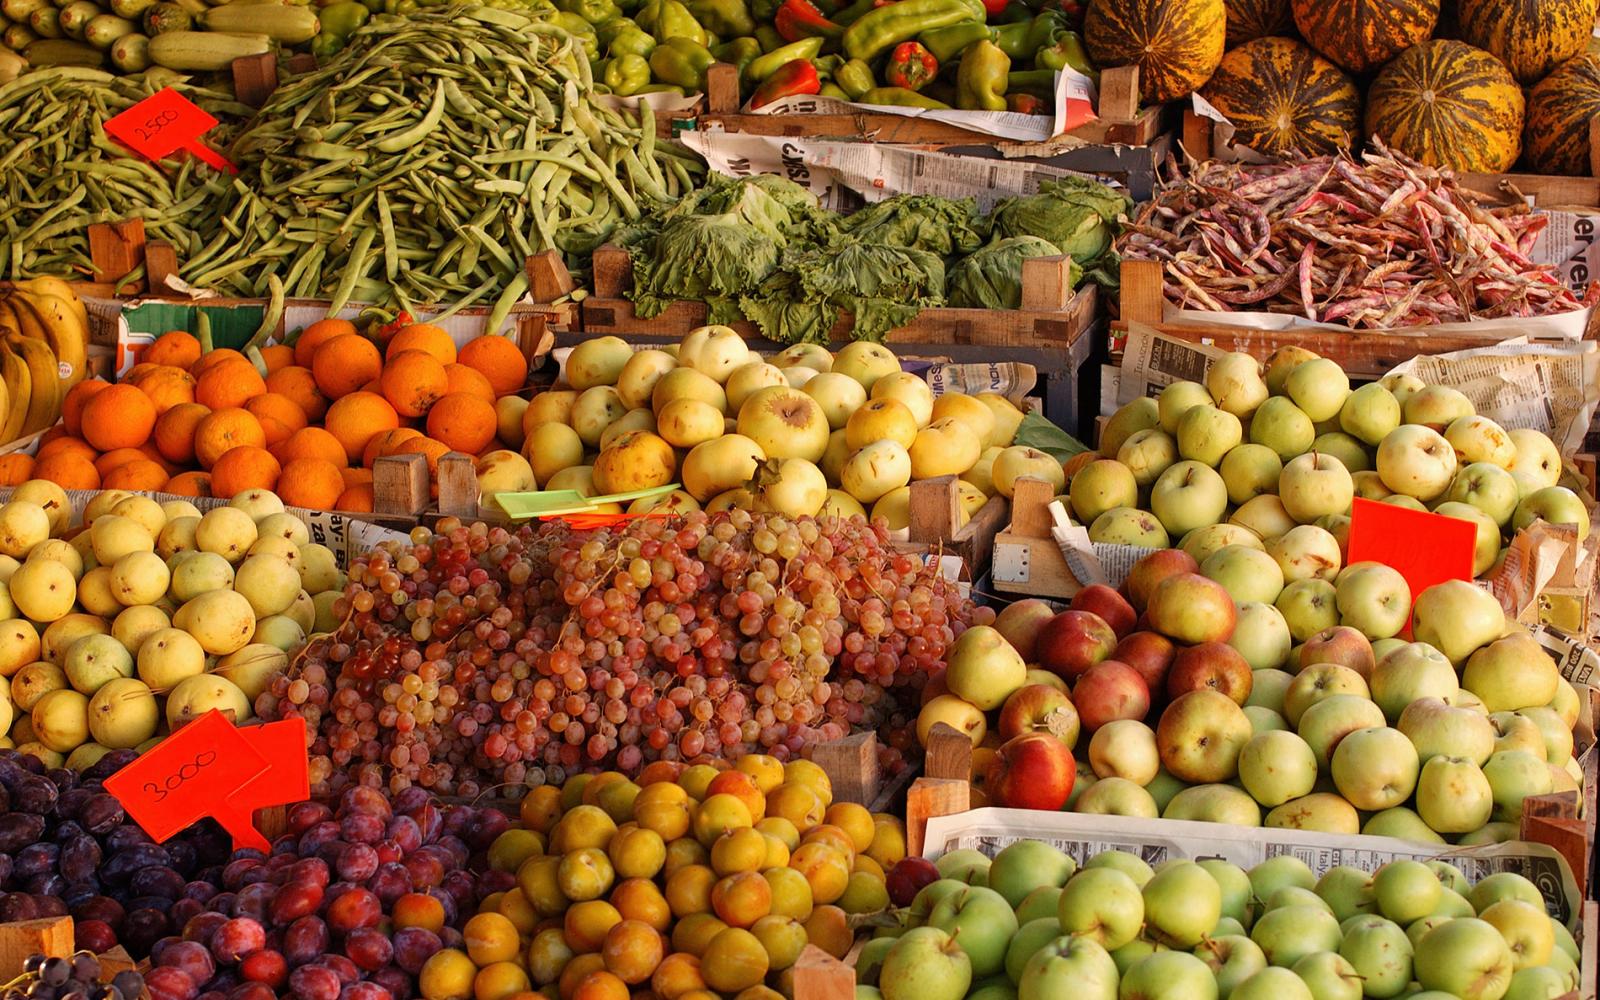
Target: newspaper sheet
[(1082, 836), (845, 175), (1152, 361), (1577, 661)]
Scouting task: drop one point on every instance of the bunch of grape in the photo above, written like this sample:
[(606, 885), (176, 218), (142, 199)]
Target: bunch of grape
[(66, 848), (349, 905), (75, 978), (478, 656)]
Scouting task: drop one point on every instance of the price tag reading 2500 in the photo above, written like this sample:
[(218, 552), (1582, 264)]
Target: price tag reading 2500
[(154, 125), (186, 772), (163, 124)]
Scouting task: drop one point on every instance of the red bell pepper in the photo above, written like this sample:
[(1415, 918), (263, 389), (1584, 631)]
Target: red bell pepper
[(793, 79), (911, 66), (994, 8), (1025, 104), (797, 19)]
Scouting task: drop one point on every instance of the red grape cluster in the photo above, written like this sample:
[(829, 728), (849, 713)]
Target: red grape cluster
[(478, 656), (348, 906)]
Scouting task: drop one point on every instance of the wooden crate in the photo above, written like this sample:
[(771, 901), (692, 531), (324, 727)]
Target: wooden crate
[(1027, 561), (1053, 314), (936, 527)]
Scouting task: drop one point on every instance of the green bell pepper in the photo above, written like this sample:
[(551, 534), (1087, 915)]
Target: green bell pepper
[(662, 88), (1067, 50), (827, 66), (682, 62), (739, 52), (769, 38), (833, 91), (854, 78), (764, 66), (729, 18), (1039, 82), (1048, 26), (593, 11), (764, 10), (888, 26), (580, 29), (343, 18), (948, 43), (631, 41), (899, 97), (981, 78), (671, 19), (626, 73), (1013, 39)]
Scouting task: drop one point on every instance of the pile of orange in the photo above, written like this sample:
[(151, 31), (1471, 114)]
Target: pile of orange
[(309, 430)]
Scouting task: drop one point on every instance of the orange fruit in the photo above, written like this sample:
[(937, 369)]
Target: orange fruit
[(315, 335), (247, 467), (111, 459), (422, 337), (139, 474), (277, 356), (310, 482), (15, 469), (69, 471), (356, 477), (470, 381), (499, 360), (299, 385), (355, 418), (232, 383), (343, 365), (167, 387), (312, 442), (464, 422), (174, 347), (428, 448), (189, 484), (150, 451), (412, 381), (51, 433), (280, 416), (385, 444), (73, 402), (375, 387), (221, 431), (217, 356), (356, 499), (174, 431), (66, 446), (118, 417)]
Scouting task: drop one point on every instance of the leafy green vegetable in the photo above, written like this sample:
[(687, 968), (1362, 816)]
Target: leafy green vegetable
[(1075, 213), (992, 277), (921, 222), (1037, 432), (701, 257)]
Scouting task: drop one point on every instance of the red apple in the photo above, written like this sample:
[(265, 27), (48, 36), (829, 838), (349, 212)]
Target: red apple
[(1152, 569), (907, 878), (1342, 645), (1108, 691), (1108, 604), (1020, 624), (1039, 708), (1189, 608), (1150, 653), (1214, 665), (1074, 641), (1033, 771)]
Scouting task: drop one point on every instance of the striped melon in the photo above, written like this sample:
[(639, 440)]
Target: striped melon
[(1283, 98), (1252, 19), (1532, 37), (1449, 105), (1176, 44), (1359, 35), (1560, 109)]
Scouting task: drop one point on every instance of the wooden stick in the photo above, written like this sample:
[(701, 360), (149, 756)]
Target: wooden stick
[(852, 766), (1142, 299), (51, 936), (548, 277), (1046, 283), (949, 753), (255, 78), (612, 272), (930, 797), (722, 88), (935, 510), (116, 248), (458, 485), (1030, 508), (400, 484), (160, 261), (1119, 94)]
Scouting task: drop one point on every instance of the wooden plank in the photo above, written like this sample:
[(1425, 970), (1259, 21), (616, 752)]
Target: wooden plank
[(116, 248), (273, 821), (255, 78), (930, 797), (114, 961), (400, 484), (1589, 949), (1119, 94), (458, 485), (852, 766), (948, 754), (548, 277), (820, 976), (935, 510), (1141, 291), (722, 88), (1198, 134), (160, 262), (975, 540), (1046, 284), (1030, 508), (51, 936), (1553, 820), (612, 271)]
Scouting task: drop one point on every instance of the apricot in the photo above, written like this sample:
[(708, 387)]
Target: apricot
[(828, 928), (761, 991), (548, 955), (639, 899), (582, 826), (576, 970), (514, 906), (600, 985), (777, 852), (491, 938), (683, 852), (695, 778), (765, 769), (512, 848), (665, 808), (853, 819), (617, 798), (490, 903), (826, 833), (541, 807), (825, 868), (537, 878), (694, 932), (863, 863), (807, 772), (585, 874), (632, 950), (791, 893), (742, 787), (717, 815), (798, 803), (658, 771), (416, 909), (636, 852), (777, 826), (572, 791), (741, 899), (587, 923), (700, 995), (448, 974), (689, 890), (499, 981), (676, 975), (739, 851), (783, 938), (864, 893), (733, 961), (888, 845)]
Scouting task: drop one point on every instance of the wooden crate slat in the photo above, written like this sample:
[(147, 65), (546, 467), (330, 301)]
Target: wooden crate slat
[(51, 936)]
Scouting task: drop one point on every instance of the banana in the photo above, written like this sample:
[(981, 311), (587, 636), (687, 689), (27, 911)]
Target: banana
[(27, 320), (14, 372), (8, 317), (44, 401), (67, 337), (61, 290)]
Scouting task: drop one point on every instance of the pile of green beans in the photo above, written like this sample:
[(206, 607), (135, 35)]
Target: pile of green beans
[(59, 172), (427, 161)]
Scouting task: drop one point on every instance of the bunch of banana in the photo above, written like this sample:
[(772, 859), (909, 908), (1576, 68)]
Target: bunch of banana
[(44, 349)]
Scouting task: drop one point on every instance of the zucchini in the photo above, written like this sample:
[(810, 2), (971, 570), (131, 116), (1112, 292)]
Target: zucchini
[(18, 10), (130, 9), (45, 22), (11, 66), (131, 53), (17, 37), (165, 17), (63, 52), (289, 25), (105, 29), (75, 17), (204, 50)]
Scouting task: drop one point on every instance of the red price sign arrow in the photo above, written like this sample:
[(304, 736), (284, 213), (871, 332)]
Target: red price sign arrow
[(164, 123), (287, 777), (1425, 548), (189, 776)]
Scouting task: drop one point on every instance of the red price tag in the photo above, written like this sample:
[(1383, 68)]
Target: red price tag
[(287, 777), (164, 123), (190, 775), (1425, 548)]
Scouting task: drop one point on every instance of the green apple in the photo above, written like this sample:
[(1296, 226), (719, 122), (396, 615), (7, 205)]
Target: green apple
[(1273, 984), (1182, 903), (1188, 495), (1275, 767), (1406, 890), (1117, 797), (1415, 670), (1479, 439), (1264, 720), (1278, 871), (1283, 427), (1128, 864), (1517, 732), (993, 988), (1437, 728), (1262, 637), (1454, 795), (1235, 886), (1490, 833), (1528, 931), (1487, 487), (1375, 768), (984, 669), (1142, 414), (1513, 776), (1129, 526), (1557, 734), (1283, 361), (1318, 682), (1147, 454), (1290, 933), (1537, 457), (965, 865), (1306, 552), (1416, 461), (1402, 823), (1373, 598), (1346, 449), (1322, 812), (1026, 865), (1328, 722), (1510, 673), (925, 964), (1503, 885), (1369, 485), (1039, 903), (1265, 515), (1313, 485), (1030, 938), (1402, 385), (1250, 470), (1308, 607), (1232, 958), (1103, 905), (1457, 617), (1101, 486), (1318, 387), (1249, 575), (1537, 983), (1348, 892), (1381, 954), (1235, 383), (1214, 803), (1163, 787), (1169, 975), (1466, 957), (1069, 965), (1205, 434), (982, 924), (1129, 954), (1370, 413), (1178, 399), (1201, 542), (1268, 687), (1329, 976), (1487, 547), (1436, 406), (1555, 504)]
